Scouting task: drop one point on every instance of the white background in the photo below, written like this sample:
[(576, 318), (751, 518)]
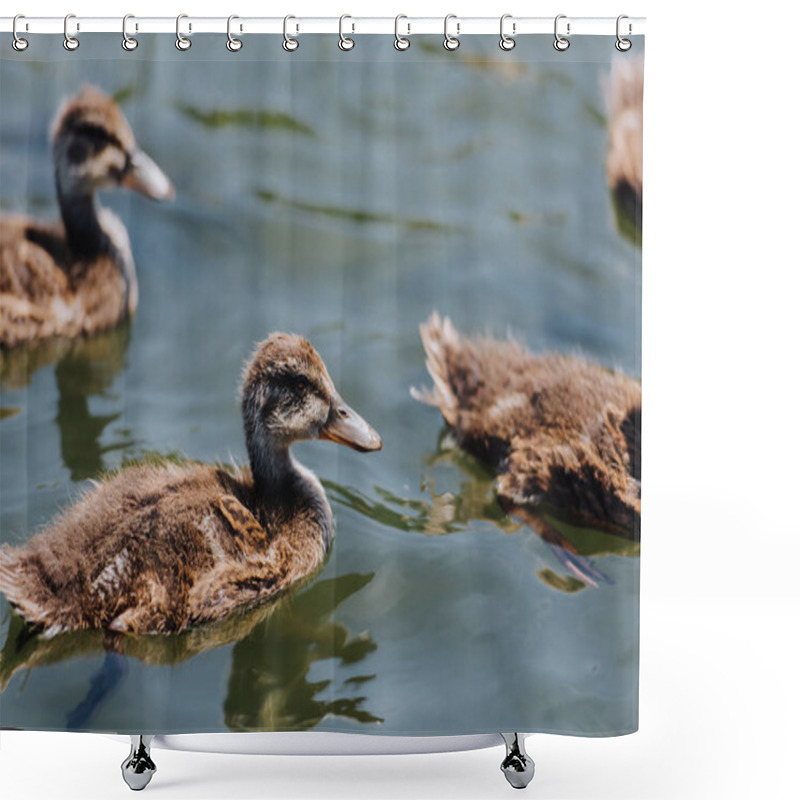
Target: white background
[(720, 554)]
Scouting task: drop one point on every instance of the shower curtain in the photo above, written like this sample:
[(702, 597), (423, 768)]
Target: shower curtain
[(457, 235)]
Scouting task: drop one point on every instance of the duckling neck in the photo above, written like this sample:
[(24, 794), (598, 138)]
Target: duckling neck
[(85, 236), (273, 468), (278, 477)]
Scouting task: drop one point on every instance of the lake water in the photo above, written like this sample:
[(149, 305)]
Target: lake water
[(344, 196)]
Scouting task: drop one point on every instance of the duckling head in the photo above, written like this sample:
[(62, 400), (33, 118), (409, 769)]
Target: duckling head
[(288, 396), (94, 148)]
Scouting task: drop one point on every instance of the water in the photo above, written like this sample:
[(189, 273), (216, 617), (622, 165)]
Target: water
[(344, 197)]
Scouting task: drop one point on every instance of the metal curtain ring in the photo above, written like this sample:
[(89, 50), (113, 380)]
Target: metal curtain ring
[(70, 42), (128, 42), (507, 42), (561, 43), (401, 42), (451, 42), (181, 41), (290, 44), (233, 44), (345, 43), (19, 44), (623, 45)]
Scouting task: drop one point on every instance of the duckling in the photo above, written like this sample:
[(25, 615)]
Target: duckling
[(624, 161), (77, 276), (559, 430), (159, 549)]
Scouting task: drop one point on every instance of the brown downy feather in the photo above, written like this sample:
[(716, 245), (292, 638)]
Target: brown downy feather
[(162, 548), (77, 276), (558, 429)]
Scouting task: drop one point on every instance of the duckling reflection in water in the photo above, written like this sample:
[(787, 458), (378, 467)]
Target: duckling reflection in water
[(561, 432), (269, 688), (77, 277), (158, 549), (85, 368)]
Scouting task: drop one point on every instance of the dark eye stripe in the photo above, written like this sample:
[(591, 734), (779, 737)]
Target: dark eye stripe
[(97, 136)]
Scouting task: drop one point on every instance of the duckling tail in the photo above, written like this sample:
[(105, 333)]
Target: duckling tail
[(440, 339), (12, 585)]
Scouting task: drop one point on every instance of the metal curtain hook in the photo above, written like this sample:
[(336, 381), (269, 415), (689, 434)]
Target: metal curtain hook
[(19, 44), (400, 42), (345, 43), (70, 42), (451, 42), (128, 42), (507, 42), (290, 44), (181, 41), (623, 45), (233, 44), (561, 43)]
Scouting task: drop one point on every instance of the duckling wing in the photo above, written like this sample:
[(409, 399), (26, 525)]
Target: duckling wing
[(31, 280), (586, 475), (37, 286), (267, 562)]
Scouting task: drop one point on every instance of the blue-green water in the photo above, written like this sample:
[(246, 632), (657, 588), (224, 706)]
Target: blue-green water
[(343, 196)]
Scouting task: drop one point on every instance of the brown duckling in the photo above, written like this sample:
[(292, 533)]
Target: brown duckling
[(157, 549), (558, 429), (624, 165), (77, 276)]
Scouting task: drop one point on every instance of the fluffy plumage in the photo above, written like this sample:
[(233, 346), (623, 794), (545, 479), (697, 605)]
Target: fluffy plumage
[(161, 548), (77, 276), (558, 429)]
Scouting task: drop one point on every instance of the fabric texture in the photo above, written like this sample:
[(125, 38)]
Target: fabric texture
[(320, 386)]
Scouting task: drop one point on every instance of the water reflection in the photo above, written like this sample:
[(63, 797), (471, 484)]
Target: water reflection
[(84, 368), (269, 687), (476, 501)]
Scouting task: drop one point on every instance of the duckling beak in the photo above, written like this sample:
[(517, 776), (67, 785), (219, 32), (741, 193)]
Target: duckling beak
[(145, 176), (344, 426)]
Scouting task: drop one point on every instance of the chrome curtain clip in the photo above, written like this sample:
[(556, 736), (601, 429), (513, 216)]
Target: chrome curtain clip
[(623, 45), (70, 42), (451, 42), (561, 43), (345, 42), (181, 41), (507, 42), (19, 44), (129, 43), (401, 42), (233, 44), (290, 44)]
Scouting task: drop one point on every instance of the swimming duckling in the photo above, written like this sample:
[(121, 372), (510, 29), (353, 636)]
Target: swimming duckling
[(625, 127), (77, 276), (558, 429), (156, 549)]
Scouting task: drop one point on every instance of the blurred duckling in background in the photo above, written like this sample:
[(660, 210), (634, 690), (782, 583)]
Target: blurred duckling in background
[(625, 125), (163, 548), (77, 276), (560, 431)]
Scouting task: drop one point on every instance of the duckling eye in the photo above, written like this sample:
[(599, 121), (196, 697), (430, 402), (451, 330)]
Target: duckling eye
[(299, 383)]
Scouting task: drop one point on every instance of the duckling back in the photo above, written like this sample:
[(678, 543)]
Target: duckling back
[(559, 429)]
